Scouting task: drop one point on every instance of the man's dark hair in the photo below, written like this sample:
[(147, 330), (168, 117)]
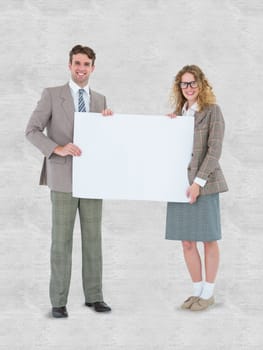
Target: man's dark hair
[(84, 50)]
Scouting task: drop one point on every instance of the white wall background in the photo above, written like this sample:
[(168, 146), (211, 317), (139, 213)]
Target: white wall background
[(140, 46)]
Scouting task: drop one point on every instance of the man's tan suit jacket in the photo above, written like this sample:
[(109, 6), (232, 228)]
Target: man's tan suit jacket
[(55, 113)]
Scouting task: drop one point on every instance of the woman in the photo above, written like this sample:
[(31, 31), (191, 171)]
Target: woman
[(199, 220)]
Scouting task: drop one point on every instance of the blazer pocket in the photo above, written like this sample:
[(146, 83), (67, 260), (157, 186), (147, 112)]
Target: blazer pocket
[(213, 177), (57, 159)]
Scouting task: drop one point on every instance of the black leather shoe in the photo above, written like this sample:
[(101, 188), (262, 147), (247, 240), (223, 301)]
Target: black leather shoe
[(99, 306), (59, 312)]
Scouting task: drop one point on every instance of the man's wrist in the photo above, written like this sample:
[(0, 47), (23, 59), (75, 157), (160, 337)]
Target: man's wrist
[(57, 150)]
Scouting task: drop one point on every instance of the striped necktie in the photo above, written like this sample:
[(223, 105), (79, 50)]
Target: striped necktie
[(82, 107)]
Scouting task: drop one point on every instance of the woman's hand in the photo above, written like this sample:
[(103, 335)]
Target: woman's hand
[(171, 115), (193, 192)]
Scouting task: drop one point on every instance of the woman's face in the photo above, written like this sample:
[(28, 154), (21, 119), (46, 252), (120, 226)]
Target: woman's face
[(189, 88)]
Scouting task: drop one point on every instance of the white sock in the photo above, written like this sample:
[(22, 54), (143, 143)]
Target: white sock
[(208, 290), (198, 287)]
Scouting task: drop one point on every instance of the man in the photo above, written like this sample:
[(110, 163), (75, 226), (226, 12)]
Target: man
[(55, 113)]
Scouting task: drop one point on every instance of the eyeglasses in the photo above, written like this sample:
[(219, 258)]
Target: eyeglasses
[(185, 84)]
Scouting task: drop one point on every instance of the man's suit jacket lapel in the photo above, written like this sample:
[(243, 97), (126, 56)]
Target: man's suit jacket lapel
[(93, 106), (67, 102)]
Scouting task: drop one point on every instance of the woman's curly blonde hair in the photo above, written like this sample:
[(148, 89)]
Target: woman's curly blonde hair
[(205, 96)]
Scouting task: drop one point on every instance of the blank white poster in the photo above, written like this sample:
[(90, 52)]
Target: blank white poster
[(136, 157)]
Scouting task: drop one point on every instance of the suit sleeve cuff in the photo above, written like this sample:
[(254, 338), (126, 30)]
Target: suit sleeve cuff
[(50, 149), (200, 181)]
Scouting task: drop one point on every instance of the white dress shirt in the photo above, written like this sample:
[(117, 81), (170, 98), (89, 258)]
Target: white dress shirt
[(74, 89), (190, 112)]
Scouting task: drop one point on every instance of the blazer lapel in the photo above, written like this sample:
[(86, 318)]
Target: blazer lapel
[(67, 102), (199, 116), (93, 102)]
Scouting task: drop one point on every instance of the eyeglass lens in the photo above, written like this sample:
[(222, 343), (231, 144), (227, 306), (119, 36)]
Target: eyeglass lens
[(185, 84)]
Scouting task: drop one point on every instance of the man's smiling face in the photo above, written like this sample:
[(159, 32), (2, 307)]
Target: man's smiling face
[(81, 67)]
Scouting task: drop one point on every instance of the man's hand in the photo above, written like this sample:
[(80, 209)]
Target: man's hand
[(193, 192), (68, 150), (107, 112)]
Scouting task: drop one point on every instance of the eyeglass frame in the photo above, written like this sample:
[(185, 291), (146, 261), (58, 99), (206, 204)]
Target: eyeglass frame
[(188, 83)]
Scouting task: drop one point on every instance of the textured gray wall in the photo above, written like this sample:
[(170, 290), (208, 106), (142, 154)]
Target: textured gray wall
[(140, 46)]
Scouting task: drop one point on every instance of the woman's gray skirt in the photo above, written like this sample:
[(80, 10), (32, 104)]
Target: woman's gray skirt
[(194, 222)]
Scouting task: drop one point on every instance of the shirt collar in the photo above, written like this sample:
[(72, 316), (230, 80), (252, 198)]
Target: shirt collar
[(193, 108), (75, 87)]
